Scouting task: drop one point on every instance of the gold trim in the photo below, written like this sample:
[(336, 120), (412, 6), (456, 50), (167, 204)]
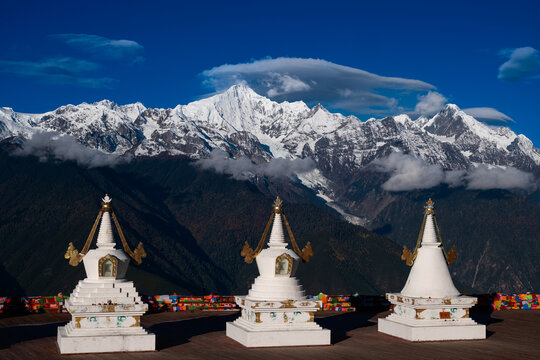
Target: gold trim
[(137, 321), (138, 254), (466, 314), (285, 318), (444, 315), (418, 312), (114, 261), (78, 322), (307, 251), (258, 317), (277, 208), (72, 254), (409, 256), (311, 316), (290, 262), (287, 304), (247, 252), (108, 308)]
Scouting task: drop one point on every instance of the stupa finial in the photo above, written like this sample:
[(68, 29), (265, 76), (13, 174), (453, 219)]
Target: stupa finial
[(75, 257), (429, 216), (278, 205), (430, 207), (277, 208)]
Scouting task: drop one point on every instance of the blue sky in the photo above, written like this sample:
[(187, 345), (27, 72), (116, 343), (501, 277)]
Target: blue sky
[(368, 59)]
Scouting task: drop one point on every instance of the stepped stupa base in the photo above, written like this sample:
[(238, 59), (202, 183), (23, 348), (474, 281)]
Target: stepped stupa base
[(82, 344), (431, 319), (271, 338), (432, 332), (277, 323)]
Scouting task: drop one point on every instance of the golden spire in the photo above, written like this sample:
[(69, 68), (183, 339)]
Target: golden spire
[(430, 207), (277, 208), (75, 257), (106, 203), (409, 256), (278, 205)]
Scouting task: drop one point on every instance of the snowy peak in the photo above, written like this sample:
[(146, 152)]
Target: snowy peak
[(244, 123)]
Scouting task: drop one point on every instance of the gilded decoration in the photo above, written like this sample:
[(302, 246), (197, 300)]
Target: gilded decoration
[(78, 322), (311, 316), (444, 315), (137, 321), (277, 208), (284, 264), (258, 317), (108, 308), (287, 304), (73, 255), (108, 266)]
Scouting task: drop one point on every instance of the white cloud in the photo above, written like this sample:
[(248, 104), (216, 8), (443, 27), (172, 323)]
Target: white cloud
[(430, 104), (285, 84), (243, 169), (489, 115), (64, 70), (315, 80), (46, 145), (410, 173), (103, 47), (524, 62), (483, 178)]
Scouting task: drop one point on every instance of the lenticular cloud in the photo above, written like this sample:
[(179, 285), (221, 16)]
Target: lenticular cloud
[(316, 80)]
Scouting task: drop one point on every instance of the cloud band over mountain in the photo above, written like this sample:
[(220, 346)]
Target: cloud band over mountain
[(316, 80), (244, 169), (410, 173), (46, 145)]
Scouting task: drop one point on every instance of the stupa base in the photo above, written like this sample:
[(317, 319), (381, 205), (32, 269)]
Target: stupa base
[(271, 338), (432, 332), (277, 323), (431, 319), (82, 344)]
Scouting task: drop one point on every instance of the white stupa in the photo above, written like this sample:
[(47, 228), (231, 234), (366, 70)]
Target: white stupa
[(105, 307), (429, 307), (276, 312)]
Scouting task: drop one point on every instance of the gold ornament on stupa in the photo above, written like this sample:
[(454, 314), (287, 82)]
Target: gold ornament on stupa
[(75, 257), (277, 208), (409, 256)]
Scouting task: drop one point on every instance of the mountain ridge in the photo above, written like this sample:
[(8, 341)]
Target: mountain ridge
[(245, 124)]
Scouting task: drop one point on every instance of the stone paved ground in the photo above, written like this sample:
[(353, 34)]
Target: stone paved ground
[(512, 334)]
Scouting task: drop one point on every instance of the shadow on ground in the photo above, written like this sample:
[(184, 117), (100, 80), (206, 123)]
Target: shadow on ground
[(19, 333), (169, 334), (340, 324), (482, 315)]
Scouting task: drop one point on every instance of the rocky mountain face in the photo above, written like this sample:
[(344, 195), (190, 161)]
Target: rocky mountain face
[(243, 123), (256, 130), (193, 225)]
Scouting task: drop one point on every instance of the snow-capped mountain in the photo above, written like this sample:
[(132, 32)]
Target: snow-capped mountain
[(243, 123)]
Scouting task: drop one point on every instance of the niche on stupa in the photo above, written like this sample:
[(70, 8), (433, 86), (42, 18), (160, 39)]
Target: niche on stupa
[(108, 266), (284, 264)]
